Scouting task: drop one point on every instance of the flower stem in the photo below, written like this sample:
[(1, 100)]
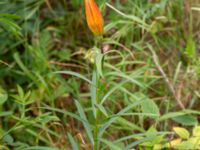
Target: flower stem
[(97, 118), (98, 91)]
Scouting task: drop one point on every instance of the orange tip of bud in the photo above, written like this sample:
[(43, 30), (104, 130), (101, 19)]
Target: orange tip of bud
[(94, 17)]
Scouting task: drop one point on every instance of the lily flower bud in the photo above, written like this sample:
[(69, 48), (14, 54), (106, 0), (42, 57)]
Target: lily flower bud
[(94, 17)]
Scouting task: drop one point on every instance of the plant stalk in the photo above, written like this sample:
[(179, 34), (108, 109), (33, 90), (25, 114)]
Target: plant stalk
[(97, 119), (97, 91)]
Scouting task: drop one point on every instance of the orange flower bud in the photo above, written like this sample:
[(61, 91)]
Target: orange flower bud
[(94, 17)]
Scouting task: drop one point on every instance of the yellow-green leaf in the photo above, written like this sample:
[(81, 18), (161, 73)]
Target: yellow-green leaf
[(196, 131), (195, 141), (182, 132), (173, 143)]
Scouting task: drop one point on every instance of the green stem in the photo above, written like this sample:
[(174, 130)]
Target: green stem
[(97, 119), (98, 114)]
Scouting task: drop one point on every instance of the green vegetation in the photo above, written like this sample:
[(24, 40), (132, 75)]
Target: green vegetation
[(136, 87)]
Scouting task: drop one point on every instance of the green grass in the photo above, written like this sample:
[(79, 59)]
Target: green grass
[(142, 82)]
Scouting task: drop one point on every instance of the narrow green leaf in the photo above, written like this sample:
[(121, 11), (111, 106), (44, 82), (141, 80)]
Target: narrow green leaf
[(99, 63), (191, 48), (73, 74), (102, 109), (111, 145), (73, 142), (113, 119), (86, 124), (39, 148), (93, 93), (3, 96)]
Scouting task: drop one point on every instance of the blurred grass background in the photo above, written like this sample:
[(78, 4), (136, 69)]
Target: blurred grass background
[(150, 83)]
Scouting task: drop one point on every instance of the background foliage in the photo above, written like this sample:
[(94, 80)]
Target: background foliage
[(150, 82)]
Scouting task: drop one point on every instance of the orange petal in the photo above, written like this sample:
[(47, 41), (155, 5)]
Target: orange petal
[(94, 17)]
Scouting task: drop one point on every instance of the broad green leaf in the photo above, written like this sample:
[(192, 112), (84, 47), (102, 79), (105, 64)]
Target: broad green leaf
[(188, 120), (8, 139), (171, 115), (149, 106)]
